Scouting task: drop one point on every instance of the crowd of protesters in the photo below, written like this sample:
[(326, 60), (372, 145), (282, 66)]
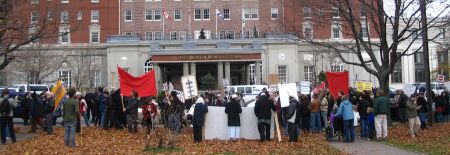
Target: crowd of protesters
[(310, 113)]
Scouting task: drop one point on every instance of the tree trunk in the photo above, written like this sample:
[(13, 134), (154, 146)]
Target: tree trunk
[(384, 85)]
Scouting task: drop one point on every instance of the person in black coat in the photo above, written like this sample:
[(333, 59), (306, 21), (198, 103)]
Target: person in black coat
[(233, 109), (263, 111), (198, 120), (304, 113), (291, 117), (362, 110)]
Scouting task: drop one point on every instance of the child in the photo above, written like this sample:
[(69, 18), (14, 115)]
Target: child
[(147, 111), (356, 118), (371, 121)]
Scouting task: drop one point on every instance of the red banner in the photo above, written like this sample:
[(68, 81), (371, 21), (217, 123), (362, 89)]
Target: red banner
[(337, 81), (145, 85)]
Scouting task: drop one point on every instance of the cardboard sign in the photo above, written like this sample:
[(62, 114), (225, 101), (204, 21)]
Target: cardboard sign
[(409, 89), (286, 90), (190, 89), (305, 87), (361, 86)]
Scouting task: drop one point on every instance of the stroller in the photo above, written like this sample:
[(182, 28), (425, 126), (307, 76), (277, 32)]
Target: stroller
[(331, 131)]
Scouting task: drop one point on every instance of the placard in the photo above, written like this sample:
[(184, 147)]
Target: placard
[(305, 87), (409, 89), (286, 90), (189, 83), (361, 86)]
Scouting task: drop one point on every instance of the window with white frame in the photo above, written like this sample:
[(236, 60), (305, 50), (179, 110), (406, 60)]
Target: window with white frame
[(128, 33), (274, 13), (157, 16), (148, 15), (128, 0), (79, 15), (64, 35), (205, 14), (34, 1), (309, 73), (182, 35), (66, 77), (50, 15), (95, 1), (337, 67), (226, 14), (173, 35), (95, 36), (441, 33), (254, 13), (336, 31), (95, 16), (307, 32), (364, 32), (247, 14), (34, 16), (252, 72), (207, 34), (306, 12), (177, 15), (222, 34), (97, 78), (128, 15), (282, 73), (64, 1), (230, 34), (148, 35), (158, 35), (148, 65), (335, 12), (197, 14), (64, 16)]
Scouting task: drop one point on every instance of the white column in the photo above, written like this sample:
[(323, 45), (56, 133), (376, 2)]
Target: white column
[(193, 69), (227, 71), (185, 68), (158, 76), (258, 72), (219, 74), (247, 72)]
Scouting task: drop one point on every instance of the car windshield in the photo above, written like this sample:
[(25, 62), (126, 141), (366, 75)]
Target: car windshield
[(38, 88)]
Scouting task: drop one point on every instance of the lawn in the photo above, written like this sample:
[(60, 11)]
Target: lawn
[(99, 141), (434, 140)]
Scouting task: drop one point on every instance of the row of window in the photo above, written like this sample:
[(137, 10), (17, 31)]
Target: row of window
[(307, 70), (199, 14), (94, 36), (95, 16), (64, 1), (66, 78)]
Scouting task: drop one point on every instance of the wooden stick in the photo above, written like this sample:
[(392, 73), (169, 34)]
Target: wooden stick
[(277, 126), (121, 96)]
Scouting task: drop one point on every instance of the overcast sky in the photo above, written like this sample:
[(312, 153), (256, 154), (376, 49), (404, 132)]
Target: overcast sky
[(432, 10)]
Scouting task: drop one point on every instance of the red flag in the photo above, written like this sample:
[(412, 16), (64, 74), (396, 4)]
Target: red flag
[(337, 81), (145, 85), (166, 14)]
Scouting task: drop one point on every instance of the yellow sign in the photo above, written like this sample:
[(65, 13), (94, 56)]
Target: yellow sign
[(361, 86), (59, 92)]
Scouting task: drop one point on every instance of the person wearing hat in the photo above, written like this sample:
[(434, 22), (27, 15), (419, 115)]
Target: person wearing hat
[(49, 106), (423, 110), (233, 109), (292, 119), (263, 111), (413, 119)]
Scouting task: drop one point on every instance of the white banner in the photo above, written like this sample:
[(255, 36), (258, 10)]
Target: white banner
[(409, 89), (216, 124), (189, 86), (286, 90)]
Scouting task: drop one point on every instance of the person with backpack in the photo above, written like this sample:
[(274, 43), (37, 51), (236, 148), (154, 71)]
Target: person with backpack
[(6, 115), (48, 110), (292, 119)]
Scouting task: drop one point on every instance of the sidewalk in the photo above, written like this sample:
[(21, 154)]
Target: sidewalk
[(366, 147), (22, 134)]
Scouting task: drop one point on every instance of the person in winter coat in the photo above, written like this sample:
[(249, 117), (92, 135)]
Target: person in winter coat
[(83, 108), (291, 117), (402, 106), (324, 109), (314, 108), (381, 109), (149, 112), (36, 112), (263, 111), (362, 106), (304, 113), (101, 114), (26, 103), (198, 119), (6, 115), (132, 112), (413, 119), (233, 109), (440, 107), (49, 107), (423, 110), (345, 111), (71, 111)]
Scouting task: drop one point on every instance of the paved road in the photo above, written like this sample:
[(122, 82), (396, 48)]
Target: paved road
[(366, 147)]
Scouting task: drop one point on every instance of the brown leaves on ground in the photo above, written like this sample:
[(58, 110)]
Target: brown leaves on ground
[(99, 141), (434, 140)]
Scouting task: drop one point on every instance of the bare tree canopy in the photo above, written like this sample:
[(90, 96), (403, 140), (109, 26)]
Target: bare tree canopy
[(368, 29), (23, 22)]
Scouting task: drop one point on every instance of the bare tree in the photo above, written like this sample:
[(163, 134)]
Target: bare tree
[(401, 19), (84, 66), (17, 29), (37, 63)]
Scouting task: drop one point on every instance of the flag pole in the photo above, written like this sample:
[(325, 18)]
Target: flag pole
[(216, 21)]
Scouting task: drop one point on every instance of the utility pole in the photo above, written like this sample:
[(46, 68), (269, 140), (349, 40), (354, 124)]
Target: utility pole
[(426, 57)]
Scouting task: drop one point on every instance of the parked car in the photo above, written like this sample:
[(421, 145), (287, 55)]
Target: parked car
[(18, 111), (38, 88), (436, 87)]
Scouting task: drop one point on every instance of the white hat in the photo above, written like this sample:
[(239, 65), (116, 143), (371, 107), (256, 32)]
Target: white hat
[(234, 96), (77, 94), (200, 100)]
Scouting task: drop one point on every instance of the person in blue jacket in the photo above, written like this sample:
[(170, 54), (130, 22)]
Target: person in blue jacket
[(346, 112)]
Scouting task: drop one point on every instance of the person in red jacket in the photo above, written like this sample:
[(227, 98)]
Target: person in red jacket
[(149, 111)]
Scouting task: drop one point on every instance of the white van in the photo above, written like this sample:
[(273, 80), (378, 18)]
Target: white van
[(436, 87), (248, 91), (38, 88)]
